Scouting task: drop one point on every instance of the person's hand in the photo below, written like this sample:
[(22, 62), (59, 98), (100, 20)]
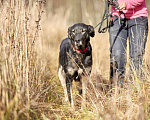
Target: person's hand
[(122, 5)]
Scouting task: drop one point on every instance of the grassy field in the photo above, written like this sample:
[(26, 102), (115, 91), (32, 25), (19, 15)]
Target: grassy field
[(30, 37)]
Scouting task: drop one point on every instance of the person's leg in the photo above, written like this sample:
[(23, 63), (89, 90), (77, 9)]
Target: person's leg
[(138, 30), (118, 39)]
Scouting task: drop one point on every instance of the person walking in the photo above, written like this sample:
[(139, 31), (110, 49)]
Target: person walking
[(130, 21)]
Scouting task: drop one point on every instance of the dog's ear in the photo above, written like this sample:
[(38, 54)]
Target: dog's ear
[(91, 30), (69, 32)]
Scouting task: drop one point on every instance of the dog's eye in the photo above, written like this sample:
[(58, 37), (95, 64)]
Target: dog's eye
[(83, 30), (73, 31)]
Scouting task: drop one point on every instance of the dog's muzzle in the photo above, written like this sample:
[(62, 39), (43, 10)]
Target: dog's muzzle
[(78, 43)]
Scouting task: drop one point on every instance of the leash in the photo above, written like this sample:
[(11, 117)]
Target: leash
[(104, 20), (106, 15)]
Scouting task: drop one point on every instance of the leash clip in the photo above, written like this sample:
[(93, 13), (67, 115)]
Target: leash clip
[(120, 21)]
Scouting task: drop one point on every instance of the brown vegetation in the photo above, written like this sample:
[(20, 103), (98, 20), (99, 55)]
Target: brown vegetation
[(30, 35)]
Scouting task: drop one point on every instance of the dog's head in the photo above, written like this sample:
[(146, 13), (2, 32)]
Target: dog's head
[(80, 34)]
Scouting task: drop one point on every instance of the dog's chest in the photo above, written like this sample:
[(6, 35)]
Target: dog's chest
[(78, 60), (78, 63), (72, 70)]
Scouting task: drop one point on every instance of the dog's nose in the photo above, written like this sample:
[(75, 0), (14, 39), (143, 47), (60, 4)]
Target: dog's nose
[(77, 40)]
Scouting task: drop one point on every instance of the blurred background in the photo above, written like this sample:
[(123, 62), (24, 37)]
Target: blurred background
[(80, 10)]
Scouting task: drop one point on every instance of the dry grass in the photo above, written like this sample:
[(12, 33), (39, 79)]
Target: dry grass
[(29, 85)]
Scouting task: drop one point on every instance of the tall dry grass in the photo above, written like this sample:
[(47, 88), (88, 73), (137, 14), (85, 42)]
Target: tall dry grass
[(23, 72), (29, 86)]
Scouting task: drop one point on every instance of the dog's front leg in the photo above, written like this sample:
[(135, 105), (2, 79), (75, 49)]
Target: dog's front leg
[(78, 83), (62, 77), (69, 89)]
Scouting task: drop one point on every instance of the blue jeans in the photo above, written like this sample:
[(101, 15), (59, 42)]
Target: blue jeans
[(134, 29)]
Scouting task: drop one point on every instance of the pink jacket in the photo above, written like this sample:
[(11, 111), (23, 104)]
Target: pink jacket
[(134, 9)]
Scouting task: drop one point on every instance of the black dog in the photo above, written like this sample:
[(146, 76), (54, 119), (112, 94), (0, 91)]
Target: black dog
[(75, 59)]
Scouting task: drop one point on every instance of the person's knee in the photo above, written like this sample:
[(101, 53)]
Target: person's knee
[(119, 55)]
